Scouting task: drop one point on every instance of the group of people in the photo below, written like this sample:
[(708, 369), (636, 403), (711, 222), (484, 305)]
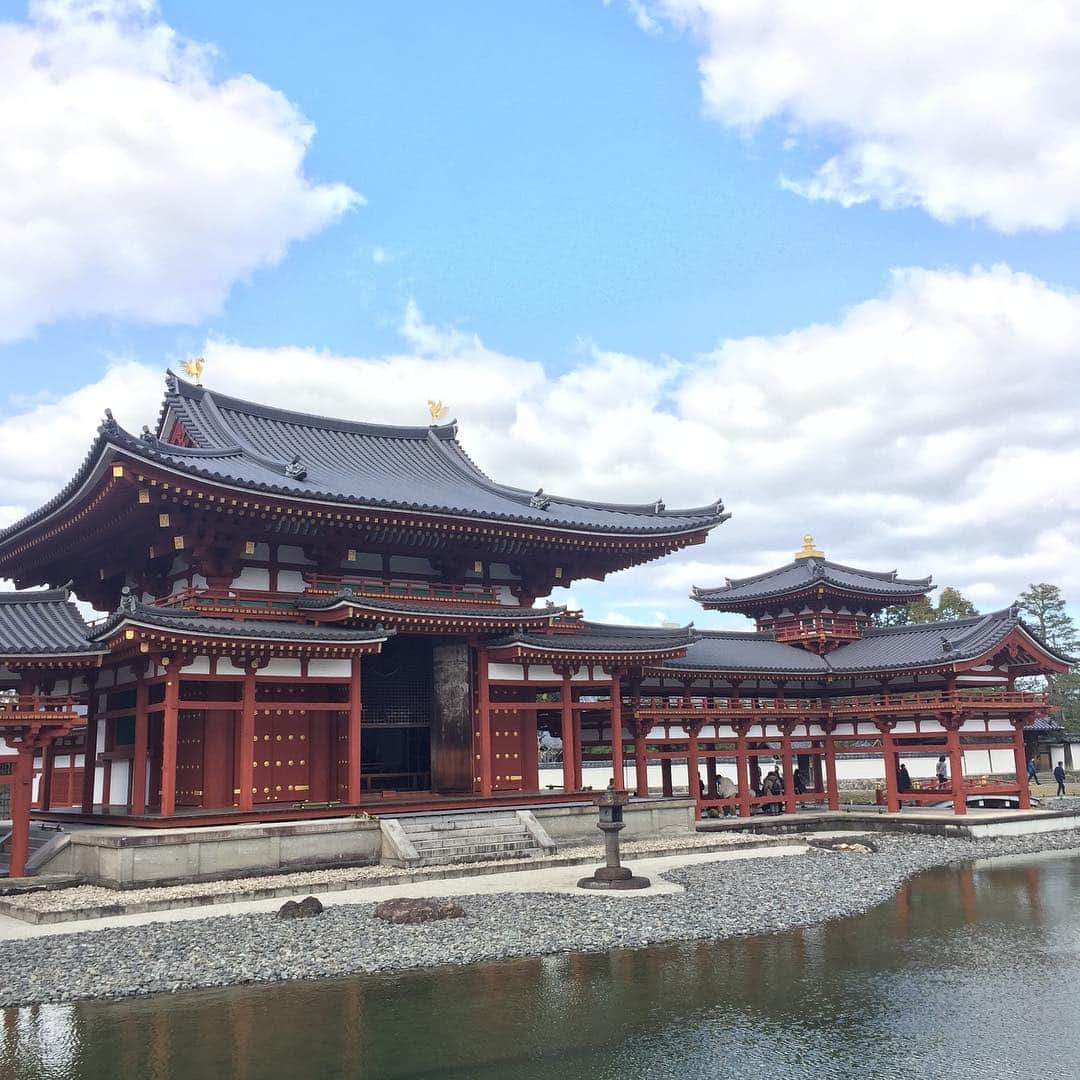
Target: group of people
[(1059, 774), (772, 783)]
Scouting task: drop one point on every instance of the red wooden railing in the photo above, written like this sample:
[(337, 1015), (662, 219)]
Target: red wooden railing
[(675, 706), (19, 705)]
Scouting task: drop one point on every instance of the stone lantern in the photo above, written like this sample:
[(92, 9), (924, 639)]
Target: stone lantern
[(612, 875)]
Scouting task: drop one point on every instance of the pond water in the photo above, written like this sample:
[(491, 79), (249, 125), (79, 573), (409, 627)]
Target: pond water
[(967, 973)]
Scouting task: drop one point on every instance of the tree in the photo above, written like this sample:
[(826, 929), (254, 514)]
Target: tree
[(1043, 608), (951, 604)]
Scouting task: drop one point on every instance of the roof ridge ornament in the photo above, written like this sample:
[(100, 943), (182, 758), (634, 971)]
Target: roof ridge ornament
[(147, 436), (808, 550), (109, 424), (437, 409), (659, 507), (538, 500), (296, 469), (127, 600), (194, 367)]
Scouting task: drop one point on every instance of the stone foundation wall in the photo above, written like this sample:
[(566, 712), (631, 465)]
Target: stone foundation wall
[(645, 820), (134, 858)]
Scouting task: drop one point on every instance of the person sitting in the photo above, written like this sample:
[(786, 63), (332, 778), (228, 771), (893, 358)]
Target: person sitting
[(726, 789), (773, 785)]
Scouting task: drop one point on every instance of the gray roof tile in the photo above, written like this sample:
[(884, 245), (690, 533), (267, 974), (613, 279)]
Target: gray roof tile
[(723, 650), (192, 622), (391, 605), (42, 622), (602, 638), (419, 468), (801, 574)]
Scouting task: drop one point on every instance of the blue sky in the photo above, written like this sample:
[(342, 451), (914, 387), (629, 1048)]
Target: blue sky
[(565, 183)]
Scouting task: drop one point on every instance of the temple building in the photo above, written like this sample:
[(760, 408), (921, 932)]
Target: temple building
[(307, 617)]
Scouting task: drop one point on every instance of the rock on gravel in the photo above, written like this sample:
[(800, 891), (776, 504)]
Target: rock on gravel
[(410, 910)]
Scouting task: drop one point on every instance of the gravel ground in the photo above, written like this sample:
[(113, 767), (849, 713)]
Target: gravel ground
[(722, 900), (92, 896)]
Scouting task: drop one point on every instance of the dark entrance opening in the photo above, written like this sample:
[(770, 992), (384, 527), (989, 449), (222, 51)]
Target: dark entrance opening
[(398, 693)]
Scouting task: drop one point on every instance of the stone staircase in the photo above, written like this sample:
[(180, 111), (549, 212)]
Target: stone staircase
[(448, 839), (38, 839)]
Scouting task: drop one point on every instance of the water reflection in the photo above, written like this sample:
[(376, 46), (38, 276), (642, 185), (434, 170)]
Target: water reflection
[(924, 986)]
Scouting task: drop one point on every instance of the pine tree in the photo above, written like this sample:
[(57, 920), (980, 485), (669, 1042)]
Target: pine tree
[(951, 604), (1043, 608)]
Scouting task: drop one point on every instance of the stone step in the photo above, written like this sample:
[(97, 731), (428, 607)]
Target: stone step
[(477, 853), (464, 834), (489, 842), (474, 837), (459, 824)]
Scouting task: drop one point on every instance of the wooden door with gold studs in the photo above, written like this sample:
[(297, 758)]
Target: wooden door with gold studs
[(282, 756), (507, 751), (189, 758)]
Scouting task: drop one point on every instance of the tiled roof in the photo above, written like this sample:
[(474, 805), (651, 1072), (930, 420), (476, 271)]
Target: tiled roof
[(801, 574), (434, 608), (880, 648), (723, 650), (191, 622), (43, 622), (372, 465), (601, 638)]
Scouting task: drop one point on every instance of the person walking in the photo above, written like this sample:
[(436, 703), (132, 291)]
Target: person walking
[(1033, 771), (941, 771), (1059, 776)]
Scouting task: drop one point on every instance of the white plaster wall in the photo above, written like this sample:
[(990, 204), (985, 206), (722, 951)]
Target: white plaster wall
[(330, 668), (118, 785), (225, 666), (505, 671), (252, 577), (975, 764), (281, 666), (290, 581), (200, 665)]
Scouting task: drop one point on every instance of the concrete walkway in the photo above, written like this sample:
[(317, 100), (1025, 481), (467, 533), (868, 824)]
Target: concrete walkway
[(560, 879)]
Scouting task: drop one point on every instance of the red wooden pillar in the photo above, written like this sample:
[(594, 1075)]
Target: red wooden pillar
[(245, 743), (693, 774), (956, 766), (352, 769), (667, 788), (90, 751), (788, 758), (819, 783), (742, 767), (641, 760), (48, 765), (832, 786), (710, 775), (142, 743), (1020, 764), (617, 732), (169, 721), (22, 792), (888, 750), (483, 722), (569, 750)]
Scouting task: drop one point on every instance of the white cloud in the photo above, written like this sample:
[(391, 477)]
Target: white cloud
[(932, 429), (965, 111), (133, 182)]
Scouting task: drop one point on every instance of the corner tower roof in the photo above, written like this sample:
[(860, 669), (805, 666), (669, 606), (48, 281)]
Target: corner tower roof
[(805, 575)]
